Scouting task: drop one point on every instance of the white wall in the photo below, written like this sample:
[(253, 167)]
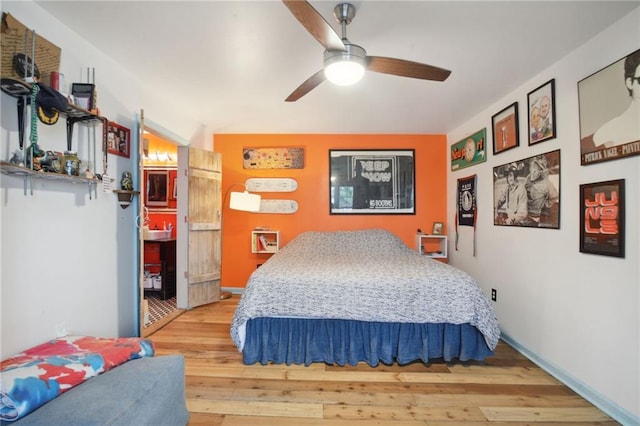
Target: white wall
[(68, 260), (577, 314)]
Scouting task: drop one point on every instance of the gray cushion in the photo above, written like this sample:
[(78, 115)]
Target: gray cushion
[(145, 391)]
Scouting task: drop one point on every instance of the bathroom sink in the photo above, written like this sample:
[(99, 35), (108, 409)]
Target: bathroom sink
[(156, 234)]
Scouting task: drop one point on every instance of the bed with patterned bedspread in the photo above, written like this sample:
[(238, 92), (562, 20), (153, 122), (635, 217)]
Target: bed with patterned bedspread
[(349, 296)]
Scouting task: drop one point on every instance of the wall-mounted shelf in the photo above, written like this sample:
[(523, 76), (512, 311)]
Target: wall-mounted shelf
[(265, 241), (74, 114), (29, 174), (434, 246), (125, 197)]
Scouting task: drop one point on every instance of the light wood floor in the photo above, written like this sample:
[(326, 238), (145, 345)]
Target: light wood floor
[(505, 389)]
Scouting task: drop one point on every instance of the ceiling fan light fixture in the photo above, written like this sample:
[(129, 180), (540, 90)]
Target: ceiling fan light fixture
[(345, 68)]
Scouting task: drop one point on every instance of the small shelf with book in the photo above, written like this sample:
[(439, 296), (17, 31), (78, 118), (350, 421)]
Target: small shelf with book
[(265, 241)]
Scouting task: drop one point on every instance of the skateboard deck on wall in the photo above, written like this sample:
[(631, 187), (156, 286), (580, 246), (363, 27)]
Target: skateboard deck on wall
[(278, 206), (271, 184)]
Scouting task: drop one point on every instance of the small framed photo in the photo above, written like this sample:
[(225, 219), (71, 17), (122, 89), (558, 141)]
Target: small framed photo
[(438, 228), (118, 139), (84, 95), (505, 129), (542, 113), (602, 218), (157, 194)]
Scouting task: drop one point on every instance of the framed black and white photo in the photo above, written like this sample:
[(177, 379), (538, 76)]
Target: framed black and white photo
[(609, 103), (602, 218), (379, 181), (504, 125), (542, 113), (527, 192)]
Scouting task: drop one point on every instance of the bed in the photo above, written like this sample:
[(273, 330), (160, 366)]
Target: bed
[(345, 297)]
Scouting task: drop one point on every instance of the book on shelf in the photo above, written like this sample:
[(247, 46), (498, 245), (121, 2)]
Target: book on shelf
[(263, 242)]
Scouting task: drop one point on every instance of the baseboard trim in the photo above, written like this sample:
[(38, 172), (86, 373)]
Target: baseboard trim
[(233, 290), (612, 409)]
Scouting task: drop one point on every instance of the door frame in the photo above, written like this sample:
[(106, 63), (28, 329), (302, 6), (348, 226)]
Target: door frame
[(146, 125)]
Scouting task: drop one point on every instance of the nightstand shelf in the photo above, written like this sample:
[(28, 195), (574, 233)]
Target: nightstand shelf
[(434, 246), (265, 241)]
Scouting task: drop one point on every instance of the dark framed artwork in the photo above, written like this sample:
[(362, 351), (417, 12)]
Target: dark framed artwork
[(157, 188), (608, 105), (118, 139), (542, 112), (527, 192), (504, 125), (469, 151), (379, 181), (602, 216)]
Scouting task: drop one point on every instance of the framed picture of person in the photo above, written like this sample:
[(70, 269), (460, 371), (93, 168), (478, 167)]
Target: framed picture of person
[(527, 192), (438, 228), (118, 139), (542, 113), (377, 181), (602, 218), (505, 129), (609, 106)]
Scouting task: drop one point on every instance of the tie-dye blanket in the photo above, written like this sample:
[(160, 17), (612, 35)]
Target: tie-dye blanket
[(32, 378)]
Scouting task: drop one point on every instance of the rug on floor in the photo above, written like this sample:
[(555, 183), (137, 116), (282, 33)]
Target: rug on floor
[(159, 308)]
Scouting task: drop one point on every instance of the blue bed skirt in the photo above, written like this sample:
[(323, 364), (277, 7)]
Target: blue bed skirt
[(304, 341)]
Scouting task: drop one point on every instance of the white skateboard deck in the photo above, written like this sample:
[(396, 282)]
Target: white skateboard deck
[(278, 206), (271, 184)]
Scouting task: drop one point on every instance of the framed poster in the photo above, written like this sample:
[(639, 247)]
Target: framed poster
[(469, 151), (505, 129), (542, 113), (602, 218), (527, 192), (157, 182), (372, 181), (118, 139), (609, 101)]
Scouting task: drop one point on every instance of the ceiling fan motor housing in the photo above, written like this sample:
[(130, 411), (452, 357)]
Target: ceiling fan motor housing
[(345, 67)]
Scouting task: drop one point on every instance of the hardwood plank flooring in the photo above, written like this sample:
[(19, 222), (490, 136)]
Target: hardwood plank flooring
[(506, 389)]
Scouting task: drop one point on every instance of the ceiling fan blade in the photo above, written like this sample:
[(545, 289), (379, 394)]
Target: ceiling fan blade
[(315, 24), (403, 68), (310, 84)]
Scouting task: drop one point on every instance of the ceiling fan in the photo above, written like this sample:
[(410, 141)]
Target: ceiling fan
[(340, 52)]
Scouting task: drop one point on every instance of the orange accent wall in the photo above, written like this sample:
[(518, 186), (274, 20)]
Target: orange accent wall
[(312, 194)]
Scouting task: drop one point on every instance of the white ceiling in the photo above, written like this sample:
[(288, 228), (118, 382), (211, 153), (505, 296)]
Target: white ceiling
[(231, 64)]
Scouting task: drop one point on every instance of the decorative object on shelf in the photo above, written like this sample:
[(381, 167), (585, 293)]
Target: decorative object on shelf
[(375, 181), (118, 139), (602, 218), (51, 162), (71, 163), (126, 182), (84, 94), (438, 228), (50, 104), (505, 129), (527, 192), (542, 113), (469, 151), (273, 158), (608, 107)]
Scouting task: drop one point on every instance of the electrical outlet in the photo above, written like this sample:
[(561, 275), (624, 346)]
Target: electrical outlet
[(494, 294)]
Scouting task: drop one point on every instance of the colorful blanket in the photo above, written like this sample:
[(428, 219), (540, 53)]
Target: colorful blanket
[(36, 376)]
